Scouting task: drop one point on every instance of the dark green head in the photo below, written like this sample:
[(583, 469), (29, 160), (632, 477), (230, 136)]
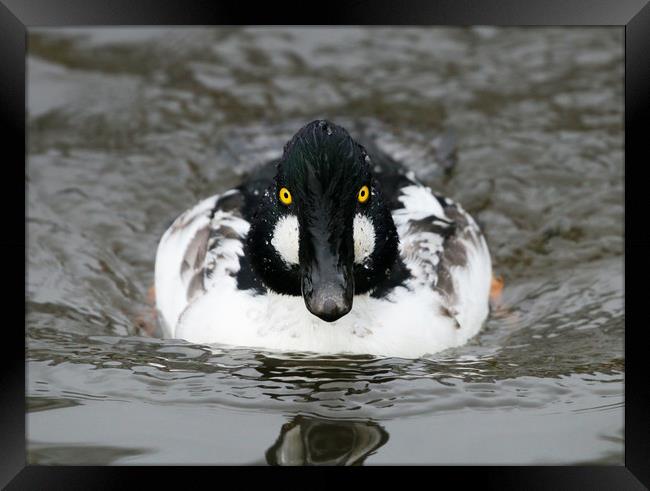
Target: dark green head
[(323, 230)]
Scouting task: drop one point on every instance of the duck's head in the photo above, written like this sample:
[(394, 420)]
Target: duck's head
[(323, 230)]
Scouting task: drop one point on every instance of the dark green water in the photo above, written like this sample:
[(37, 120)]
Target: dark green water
[(129, 127)]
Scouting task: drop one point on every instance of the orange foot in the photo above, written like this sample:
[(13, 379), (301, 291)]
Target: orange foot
[(145, 321), (496, 289), (505, 313), (151, 295)]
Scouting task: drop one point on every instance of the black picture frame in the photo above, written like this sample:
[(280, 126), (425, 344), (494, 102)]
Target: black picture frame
[(17, 16)]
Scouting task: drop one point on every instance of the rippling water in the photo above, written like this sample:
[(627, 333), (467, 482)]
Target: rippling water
[(129, 127)]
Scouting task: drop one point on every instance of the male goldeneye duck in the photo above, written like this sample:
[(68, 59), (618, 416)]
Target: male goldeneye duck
[(330, 249), (314, 441)]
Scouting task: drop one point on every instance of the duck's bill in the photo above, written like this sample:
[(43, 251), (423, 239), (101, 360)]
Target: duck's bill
[(328, 289)]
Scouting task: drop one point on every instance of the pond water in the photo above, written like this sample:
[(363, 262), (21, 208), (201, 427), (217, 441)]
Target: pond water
[(128, 127)]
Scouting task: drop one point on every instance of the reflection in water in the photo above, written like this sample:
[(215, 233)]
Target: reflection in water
[(313, 441)]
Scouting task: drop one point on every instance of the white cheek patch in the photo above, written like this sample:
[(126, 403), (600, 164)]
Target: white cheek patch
[(285, 238), (364, 238)]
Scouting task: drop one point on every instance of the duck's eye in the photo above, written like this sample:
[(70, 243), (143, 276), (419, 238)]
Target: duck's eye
[(364, 194), (285, 196)]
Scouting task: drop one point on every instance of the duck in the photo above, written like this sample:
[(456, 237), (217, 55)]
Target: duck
[(308, 440), (333, 248)]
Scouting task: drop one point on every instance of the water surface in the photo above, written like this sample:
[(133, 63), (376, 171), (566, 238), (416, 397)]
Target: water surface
[(129, 127)]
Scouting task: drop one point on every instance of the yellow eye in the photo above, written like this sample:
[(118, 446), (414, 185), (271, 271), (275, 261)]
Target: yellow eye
[(364, 194), (285, 196)]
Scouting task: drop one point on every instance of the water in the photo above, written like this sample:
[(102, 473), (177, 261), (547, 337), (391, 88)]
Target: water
[(129, 127)]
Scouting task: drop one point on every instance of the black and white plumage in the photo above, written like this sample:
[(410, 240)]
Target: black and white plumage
[(301, 442), (403, 272)]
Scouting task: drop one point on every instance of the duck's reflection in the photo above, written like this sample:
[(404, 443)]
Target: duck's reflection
[(312, 441)]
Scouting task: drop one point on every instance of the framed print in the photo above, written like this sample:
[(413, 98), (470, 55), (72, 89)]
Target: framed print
[(381, 235)]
